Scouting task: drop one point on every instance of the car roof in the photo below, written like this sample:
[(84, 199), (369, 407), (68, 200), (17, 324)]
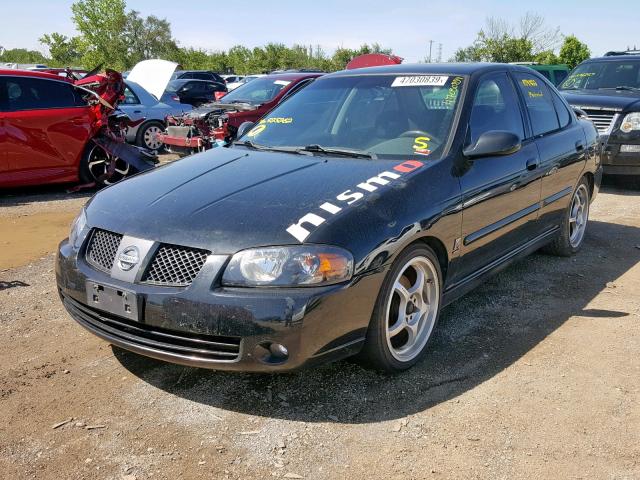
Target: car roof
[(291, 77), (32, 73), (614, 58), (188, 80), (433, 69)]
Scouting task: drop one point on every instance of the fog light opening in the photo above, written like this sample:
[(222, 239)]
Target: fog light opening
[(271, 353)]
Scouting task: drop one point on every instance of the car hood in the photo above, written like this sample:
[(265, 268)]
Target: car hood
[(153, 75), (229, 199), (614, 100)]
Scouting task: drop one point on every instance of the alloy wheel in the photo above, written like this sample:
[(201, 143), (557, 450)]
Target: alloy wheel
[(578, 215), (412, 308), (99, 161)]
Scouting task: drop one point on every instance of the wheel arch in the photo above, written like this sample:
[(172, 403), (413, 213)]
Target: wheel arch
[(438, 248)]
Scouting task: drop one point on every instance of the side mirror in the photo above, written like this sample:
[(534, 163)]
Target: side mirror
[(244, 128), (493, 143)]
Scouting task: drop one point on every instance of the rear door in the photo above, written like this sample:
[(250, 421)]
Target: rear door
[(47, 126), (501, 194), (561, 144)]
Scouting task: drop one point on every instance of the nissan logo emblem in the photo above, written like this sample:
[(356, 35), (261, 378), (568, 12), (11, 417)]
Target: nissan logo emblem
[(128, 258)]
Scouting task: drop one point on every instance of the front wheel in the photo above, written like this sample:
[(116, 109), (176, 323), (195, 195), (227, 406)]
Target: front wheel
[(574, 223), (406, 311), (94, 167), (147, 135)]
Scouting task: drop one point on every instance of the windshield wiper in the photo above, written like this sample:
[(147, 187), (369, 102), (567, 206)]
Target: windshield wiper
[(338, 151), (620, 87), (257, 146)]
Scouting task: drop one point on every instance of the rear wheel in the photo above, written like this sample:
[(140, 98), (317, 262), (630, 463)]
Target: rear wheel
[(95, 164), (574, 223), (147, 135), (406, 311)]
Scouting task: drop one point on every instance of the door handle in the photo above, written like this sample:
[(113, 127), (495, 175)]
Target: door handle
[(137, 111), (579, 146), (532, 164)]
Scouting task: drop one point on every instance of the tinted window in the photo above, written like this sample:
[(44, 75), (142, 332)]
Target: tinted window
[(202, 76), (563, 114), (539, 104), (495, 107), (545, 73), (24, 93)]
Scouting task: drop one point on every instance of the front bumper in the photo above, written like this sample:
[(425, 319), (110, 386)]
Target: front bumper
[(206, 325), (616, 162)]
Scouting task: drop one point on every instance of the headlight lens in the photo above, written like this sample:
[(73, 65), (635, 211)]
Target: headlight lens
[(76, 235), (631, 122), (309, 265)]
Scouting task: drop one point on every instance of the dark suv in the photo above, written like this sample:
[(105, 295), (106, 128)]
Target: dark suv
[(608, 90), (198, 75)]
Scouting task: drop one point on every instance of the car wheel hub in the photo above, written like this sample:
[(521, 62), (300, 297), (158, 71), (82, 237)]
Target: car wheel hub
[(150, 138), (412, 309), (578, 215), (99, 162)]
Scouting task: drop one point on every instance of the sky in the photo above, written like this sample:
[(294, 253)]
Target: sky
[(405, 26)]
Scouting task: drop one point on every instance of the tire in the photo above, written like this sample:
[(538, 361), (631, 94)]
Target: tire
[(393, 348), (574, 223), (145, 135), (94, 164)]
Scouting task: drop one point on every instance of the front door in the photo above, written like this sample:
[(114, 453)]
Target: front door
[(501, 194)]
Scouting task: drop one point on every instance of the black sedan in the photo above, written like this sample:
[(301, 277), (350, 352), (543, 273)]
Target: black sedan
[(340, 224), (194, 92)]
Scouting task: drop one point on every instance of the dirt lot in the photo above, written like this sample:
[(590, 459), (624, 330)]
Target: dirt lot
[(534, 375)]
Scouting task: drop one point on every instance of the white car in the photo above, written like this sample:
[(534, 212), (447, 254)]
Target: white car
[(144, 97), (247, 79)]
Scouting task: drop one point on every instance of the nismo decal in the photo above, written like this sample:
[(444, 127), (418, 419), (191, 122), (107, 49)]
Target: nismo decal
[(309, 222)]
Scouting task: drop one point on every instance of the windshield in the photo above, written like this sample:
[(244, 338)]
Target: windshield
[(598, 75), (257, 91), (382, 115)]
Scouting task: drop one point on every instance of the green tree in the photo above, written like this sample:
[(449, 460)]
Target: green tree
[(147, 38), (548, 57), (65, 52), (101, 24), (22, 55), (573, 51)]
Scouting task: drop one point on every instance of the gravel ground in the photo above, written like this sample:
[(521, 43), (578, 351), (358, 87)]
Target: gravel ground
[(534, 375)]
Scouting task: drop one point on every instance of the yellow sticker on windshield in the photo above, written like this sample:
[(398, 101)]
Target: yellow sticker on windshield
[(421, 145), (284, 120), (452, 93)]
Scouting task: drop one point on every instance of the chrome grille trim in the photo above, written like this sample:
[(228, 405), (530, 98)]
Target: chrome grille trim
[(603, 119), (102, 248), (175, 266)]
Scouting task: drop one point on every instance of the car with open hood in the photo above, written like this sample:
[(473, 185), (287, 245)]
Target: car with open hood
[(218, 121), (607, 90), (339, 224)]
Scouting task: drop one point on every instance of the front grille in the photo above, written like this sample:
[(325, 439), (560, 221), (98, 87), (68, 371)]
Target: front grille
[(172, 342), (175, 266), (102, 249), (603, 119)]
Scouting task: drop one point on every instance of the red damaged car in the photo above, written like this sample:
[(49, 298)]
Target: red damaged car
[(202, 127), (55, 130)]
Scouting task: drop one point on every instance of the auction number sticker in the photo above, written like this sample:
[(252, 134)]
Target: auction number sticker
[(420, 81)]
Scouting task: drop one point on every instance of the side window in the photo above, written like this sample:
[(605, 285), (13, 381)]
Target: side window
[(560, 76), (24, 93), (495, 107), (130, 98), (539, 104), (3, 95), (545, 73), (564, 117)]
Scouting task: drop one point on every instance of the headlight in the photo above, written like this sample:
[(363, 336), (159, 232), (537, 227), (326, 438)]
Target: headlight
[(308, 265), (631, 122), (76, 235)]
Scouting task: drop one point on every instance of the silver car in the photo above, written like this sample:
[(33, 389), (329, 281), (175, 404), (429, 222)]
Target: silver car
[(139, 103)]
